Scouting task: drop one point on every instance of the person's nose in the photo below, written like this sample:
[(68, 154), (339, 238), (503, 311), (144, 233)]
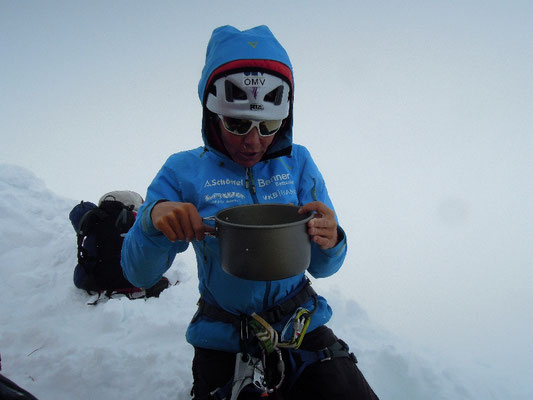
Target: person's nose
[(252, 137)]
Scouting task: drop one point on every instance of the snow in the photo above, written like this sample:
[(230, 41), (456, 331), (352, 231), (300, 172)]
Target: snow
[(57, 347)]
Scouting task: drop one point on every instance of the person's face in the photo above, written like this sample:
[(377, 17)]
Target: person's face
[(245, 150)]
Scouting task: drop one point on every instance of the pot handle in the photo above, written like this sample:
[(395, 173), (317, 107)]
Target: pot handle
[(212, 234)]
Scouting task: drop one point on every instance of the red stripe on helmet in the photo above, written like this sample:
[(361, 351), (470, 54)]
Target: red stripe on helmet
[(270, 65)]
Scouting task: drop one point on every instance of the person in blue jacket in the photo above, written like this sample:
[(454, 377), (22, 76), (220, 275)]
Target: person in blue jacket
[(248, 157)]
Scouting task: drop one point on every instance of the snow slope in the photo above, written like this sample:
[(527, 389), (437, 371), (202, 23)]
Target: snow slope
[(57, 347)]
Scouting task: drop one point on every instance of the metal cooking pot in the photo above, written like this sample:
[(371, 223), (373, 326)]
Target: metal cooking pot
[(263, 242)]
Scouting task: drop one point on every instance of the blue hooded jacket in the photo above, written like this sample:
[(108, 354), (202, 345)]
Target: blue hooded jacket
[(208, 178)]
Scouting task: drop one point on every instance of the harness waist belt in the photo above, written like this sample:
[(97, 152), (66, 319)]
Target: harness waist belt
[(272, 315)]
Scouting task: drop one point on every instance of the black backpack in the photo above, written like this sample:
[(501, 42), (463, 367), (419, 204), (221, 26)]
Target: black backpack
[(100, 235)]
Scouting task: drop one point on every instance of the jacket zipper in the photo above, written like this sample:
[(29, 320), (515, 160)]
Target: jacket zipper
[(250, 185)]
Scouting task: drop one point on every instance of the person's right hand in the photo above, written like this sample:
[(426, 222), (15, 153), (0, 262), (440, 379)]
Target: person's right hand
[(179, 221)]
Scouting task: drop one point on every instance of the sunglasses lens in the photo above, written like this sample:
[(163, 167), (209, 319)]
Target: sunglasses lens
[(239, 126), (268, 128), (236, 125)]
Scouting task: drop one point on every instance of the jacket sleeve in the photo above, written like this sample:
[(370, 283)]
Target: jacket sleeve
[(146, 253), (313, 188)]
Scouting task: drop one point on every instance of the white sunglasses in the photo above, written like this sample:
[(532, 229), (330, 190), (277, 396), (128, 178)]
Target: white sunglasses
[(242, 127)]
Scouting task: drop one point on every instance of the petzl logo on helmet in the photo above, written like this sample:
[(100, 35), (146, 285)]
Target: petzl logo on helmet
[(256, 107)]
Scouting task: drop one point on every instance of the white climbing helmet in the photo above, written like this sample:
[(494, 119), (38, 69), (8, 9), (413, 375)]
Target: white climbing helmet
[(251, 95)]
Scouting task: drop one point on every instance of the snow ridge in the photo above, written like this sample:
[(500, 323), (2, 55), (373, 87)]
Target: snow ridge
[(57, 347)]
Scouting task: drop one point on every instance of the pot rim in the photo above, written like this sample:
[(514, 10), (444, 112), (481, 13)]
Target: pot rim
[(276, 226)]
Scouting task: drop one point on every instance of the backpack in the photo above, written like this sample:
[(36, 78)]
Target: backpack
[(100, 233)]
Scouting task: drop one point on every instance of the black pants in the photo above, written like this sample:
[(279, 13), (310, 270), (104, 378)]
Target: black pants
[(336, 379)]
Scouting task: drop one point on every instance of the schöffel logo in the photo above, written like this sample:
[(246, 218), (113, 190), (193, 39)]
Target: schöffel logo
[(256, 107)]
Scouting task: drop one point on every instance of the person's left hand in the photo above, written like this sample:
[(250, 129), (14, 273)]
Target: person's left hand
[(323, 227)]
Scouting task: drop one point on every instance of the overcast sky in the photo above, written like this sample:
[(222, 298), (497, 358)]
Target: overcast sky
[(418, 113)]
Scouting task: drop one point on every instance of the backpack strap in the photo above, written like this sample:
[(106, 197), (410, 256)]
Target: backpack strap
[(89, 219), (86, 223), (125, 218)]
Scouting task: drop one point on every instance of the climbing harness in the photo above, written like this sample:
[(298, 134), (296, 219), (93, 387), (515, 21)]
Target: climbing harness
[(250, 374), (273, 315), (300, 359), (255, 370), (260, 366)]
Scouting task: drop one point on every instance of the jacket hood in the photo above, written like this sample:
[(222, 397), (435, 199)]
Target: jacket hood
[(230, 50)]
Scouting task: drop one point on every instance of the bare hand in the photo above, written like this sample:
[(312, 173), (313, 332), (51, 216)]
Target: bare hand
[(323, 227), (179, 221)]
